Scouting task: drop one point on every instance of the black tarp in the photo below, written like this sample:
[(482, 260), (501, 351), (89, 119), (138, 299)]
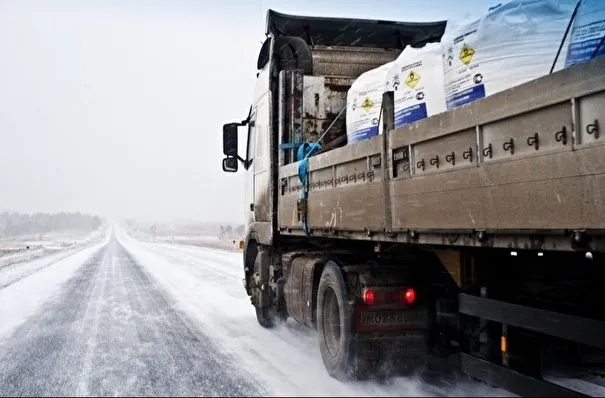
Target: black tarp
[(354, 32)]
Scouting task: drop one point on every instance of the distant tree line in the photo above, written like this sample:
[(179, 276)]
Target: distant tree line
[(188, 228), (13, 224), (230, 232)]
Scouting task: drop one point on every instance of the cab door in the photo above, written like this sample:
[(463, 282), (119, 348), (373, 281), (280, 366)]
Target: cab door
[(258, 172), (250, 172), (261, 164)]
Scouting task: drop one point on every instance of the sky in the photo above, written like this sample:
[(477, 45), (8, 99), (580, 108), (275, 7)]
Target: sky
[(116, 107)]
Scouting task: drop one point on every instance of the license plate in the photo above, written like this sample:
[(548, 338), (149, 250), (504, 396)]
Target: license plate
[(391, 318)]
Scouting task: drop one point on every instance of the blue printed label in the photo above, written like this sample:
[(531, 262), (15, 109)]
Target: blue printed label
[(410, 114), (362, 134), (582, 51), (464, 97)]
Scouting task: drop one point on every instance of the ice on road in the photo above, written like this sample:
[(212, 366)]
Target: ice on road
[(110, 331), (136, 318)]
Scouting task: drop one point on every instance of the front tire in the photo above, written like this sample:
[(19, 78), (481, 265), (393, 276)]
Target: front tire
[(264, 318), (267, 317), (335, 324)]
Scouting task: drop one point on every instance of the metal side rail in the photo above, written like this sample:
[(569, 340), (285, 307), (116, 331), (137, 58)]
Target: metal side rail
[(515, 382), (582, 330)]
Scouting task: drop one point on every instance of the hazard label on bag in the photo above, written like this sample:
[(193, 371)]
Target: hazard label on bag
[(412, 79), (367, 104), (466, 54)]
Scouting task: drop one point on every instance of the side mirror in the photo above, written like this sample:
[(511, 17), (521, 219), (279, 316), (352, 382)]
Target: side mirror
[(230, 164), (230, 140)]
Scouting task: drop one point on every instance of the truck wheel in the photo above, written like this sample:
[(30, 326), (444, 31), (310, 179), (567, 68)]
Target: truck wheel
[(334, 324), (264, 317), (267, 317)]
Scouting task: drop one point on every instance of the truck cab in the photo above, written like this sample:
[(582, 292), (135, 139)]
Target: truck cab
[(305, 68), (256, 159)]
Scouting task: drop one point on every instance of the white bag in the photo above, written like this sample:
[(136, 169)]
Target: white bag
[(587, 32), (364, 104), (417, 81), (515, 42)]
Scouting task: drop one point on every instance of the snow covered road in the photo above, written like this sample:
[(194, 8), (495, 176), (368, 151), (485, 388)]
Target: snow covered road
[(134, 318), (206, 284), (110, 331)]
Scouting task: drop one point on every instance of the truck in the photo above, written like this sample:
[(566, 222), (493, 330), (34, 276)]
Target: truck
[(474, 237)]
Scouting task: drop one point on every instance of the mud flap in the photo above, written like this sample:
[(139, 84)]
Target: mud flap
[(382, 355)]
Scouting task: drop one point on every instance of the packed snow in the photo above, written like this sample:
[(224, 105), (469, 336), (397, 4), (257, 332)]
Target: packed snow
[(110, 331), (124, 316), (25, 287), (206, 284)]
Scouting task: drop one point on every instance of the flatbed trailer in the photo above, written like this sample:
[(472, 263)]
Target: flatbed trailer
[(476, 234)]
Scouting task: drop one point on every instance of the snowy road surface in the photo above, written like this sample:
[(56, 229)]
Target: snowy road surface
[(131, 318), (110, 331)]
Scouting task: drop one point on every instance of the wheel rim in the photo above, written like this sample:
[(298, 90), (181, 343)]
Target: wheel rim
[(331, 322)]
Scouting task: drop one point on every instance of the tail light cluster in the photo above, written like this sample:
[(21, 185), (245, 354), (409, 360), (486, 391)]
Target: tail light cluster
[(372, 296)]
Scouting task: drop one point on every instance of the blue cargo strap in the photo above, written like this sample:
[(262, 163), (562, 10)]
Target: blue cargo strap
[(304, 151)]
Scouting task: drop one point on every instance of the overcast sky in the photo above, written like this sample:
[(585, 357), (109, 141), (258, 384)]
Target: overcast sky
[(116, 107)]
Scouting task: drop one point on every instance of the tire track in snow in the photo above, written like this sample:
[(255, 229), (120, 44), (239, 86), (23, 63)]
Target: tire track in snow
[(111, 331)]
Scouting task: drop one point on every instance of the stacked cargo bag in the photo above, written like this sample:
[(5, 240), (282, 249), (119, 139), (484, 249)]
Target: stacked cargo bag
[(364, 104), (515, 42), (416, 80), (587, 33)]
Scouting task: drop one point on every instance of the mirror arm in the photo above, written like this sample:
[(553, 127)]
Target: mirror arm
[(245, 122), (245, 162), (242, 124)]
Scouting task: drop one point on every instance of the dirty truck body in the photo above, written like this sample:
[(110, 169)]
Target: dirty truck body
[(474, 237)]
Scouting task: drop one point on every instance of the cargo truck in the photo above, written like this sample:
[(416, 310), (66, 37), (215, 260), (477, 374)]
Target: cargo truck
[(475, 236)]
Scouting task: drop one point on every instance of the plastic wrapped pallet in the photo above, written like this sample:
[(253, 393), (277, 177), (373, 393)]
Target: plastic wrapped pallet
[(417, 82), (364, 103), (515, 42), (588, 32)]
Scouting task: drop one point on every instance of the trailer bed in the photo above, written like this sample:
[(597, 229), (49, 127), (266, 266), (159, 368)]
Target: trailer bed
[(524, 168)]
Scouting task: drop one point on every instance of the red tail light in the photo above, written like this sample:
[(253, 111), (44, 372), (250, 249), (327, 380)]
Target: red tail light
[(369, 297), (409, 296)]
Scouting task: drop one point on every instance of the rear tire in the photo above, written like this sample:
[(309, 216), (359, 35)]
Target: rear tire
[(335, 324)]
